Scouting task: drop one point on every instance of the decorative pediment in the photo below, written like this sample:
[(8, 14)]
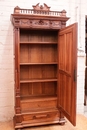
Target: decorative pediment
[(41, 7), (40, 10), (39, 17)]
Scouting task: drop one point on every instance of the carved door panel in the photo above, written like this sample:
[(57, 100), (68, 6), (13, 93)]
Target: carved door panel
[(67, 46)]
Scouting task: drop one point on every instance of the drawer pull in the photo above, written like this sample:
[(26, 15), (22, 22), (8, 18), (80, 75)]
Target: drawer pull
[(40, 116)]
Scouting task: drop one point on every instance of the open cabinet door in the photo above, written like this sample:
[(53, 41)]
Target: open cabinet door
[(67, 55)]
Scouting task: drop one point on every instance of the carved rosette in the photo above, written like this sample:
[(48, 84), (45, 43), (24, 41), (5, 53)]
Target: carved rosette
[(40, 23)]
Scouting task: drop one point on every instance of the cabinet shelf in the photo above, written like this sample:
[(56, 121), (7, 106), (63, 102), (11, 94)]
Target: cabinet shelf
[(25, 42), (36, 111), (51, 63), (37, 98), (38, 80)]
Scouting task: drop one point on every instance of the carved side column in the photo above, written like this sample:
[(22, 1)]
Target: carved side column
[(17, 78)]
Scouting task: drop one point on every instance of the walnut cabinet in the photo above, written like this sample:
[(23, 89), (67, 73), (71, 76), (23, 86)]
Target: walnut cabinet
[(45, 67)]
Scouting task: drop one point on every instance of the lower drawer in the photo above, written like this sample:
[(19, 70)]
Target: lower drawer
[(40, 117)]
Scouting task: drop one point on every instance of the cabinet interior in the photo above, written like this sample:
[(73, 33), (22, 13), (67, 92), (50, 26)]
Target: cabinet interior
[(38, 69)]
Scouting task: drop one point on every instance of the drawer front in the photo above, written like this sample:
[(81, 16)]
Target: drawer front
[(38, 104), (40, 117)]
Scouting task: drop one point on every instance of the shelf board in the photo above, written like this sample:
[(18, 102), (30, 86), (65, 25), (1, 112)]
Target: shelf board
[(38, 80), (38, 111), (51, 63), (38, 98), (25, 42)]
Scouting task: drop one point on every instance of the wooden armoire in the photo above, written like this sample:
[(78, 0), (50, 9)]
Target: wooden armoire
[(45, 53)]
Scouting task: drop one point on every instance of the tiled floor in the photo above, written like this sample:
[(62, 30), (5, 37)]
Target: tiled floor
[(80, 125)]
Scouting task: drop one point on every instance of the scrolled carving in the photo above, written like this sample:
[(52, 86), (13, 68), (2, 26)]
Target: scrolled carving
[(39, 23), (41, 7), (55, 24), (25, 22)]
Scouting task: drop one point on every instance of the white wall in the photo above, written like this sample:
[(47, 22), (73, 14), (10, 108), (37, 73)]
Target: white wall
[(74, 10)]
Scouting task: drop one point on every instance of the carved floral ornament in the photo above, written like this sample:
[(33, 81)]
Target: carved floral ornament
[(39, 23)]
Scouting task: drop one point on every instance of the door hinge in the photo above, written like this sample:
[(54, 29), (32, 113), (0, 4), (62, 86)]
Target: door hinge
[(75, 75)]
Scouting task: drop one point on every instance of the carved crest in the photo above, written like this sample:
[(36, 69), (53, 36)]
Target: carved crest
[(41, 7)]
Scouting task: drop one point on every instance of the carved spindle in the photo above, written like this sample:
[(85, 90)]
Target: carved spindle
[(59, 14), (21, 11), (52, 13), (26, 11), (56, 13), (44, 12), (32, 11)]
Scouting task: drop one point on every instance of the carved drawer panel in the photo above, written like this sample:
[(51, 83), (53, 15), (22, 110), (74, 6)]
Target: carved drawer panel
[(40, 117)]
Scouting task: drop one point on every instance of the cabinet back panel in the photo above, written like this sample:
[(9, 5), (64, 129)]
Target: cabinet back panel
[(38, 53), (38, 36), (38, 72), (38, 89)]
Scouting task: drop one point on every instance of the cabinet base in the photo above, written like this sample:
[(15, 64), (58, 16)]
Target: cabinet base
[(19, 126)]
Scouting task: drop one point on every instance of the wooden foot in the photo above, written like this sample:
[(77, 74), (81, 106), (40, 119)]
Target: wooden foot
[(62, 121)]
